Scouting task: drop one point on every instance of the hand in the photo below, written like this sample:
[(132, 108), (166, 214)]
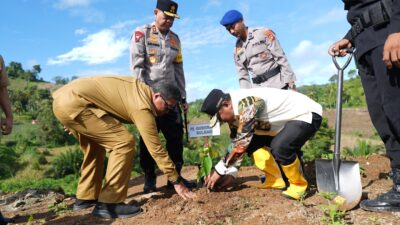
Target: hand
[(339, 48), (185, 107), (211, 180), (6, 125), (391, 51), (183, 191), (67, 130)]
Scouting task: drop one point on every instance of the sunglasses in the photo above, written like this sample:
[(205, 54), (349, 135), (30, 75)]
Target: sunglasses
[(169, 107)]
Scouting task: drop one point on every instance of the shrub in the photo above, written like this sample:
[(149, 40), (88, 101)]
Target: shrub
[(362, 148), (8, 159), (319, 144), (66, 163)]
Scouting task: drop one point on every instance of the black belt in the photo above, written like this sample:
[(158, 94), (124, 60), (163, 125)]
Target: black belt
[(258, 79), (376, 15)]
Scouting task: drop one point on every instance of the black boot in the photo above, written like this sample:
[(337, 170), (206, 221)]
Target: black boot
[(150, 180), (389, 201), (115, 210), (4, 220)]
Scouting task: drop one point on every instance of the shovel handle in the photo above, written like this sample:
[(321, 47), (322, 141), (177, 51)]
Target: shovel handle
[(336, 153)]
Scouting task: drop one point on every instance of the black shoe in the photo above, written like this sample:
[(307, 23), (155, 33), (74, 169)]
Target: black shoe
[(4, 220), (389, 201), (115, 210), (83, 204), (149, 183)]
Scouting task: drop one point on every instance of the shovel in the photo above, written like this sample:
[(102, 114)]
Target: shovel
[(340, 176)]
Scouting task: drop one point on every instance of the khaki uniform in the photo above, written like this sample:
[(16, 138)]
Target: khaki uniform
[(155, 57), (3, 75), (93, 109), (260, 53)]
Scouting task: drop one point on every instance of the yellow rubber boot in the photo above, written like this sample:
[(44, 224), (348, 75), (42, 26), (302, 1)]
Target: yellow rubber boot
[(264, 161), (297, 183)]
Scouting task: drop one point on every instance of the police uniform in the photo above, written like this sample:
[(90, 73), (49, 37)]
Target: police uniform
[(262, 56), (93, 109), (156, 57), (372, 21)]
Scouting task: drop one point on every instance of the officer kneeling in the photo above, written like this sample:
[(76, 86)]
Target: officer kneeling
[(281, 120)]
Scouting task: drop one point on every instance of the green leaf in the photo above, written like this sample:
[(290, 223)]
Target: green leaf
[(207, 164)]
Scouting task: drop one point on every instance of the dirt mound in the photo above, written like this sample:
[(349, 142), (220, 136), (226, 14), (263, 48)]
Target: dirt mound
[(241, 205)]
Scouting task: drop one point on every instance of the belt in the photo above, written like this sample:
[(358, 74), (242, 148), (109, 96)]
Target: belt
[(376, 15), (258, 79)]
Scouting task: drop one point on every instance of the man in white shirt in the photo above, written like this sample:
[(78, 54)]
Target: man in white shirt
[(281, 120)]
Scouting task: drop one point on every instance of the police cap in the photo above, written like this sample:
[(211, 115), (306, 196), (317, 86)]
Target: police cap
[(169, 8), (231, 17)]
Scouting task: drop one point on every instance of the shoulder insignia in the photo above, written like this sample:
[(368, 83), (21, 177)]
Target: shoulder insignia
[(270, 35), (138, 35)]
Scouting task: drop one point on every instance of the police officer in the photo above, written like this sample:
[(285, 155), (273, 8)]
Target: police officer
[(259, 54), (7, 123), (156, 56), (375, 33)]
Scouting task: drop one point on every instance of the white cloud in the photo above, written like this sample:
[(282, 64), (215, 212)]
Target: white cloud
[(334, 15), (64, 4), (194, 39), (80, 31), (98, 48)]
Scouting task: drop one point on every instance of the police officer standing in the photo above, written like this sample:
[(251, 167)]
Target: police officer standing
[(259, 54), (7, 123), (156, 56), (375, 33)]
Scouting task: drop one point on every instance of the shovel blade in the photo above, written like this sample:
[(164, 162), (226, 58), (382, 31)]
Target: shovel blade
[(350, 188)]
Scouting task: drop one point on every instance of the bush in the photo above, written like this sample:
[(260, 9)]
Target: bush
[(66, 163), (319, 144), (8, 159)]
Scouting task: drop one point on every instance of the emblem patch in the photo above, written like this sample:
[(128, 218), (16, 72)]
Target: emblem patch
[(138, 35), (270, 35)]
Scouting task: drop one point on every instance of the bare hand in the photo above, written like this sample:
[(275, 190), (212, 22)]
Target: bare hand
[(183, 191), (6, 125), (67, 130), (185, 107), (339, 48), (211, 180), (391, 51), (225, 182)]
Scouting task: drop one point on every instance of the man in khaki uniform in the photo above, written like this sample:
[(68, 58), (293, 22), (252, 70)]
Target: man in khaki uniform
[(156, 56), (7, 123), (92, 109), (259, 58)]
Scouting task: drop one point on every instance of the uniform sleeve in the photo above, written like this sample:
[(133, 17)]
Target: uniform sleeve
[(242, 71), (279, 56), (394, 26), (138, 52), (146, 125), (179, 74)]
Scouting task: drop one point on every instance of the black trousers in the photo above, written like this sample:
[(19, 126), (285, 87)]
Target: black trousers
[(382, 92), (171, 126), (287, 144)]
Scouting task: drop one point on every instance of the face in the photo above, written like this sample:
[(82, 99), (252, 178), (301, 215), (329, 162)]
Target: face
[(163, 22), (225, 113), (163, 105), (237, 29)]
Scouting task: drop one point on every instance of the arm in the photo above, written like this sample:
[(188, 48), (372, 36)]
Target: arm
[(391, 50), (138, 52), (279, 56)]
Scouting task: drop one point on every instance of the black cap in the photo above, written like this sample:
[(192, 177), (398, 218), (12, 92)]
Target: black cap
[(212, 104), (169, 8)]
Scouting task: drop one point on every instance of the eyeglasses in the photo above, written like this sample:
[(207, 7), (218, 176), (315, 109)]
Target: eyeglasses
[(169, 107)]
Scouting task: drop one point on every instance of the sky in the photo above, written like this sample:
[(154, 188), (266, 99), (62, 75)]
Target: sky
[(91, 37)]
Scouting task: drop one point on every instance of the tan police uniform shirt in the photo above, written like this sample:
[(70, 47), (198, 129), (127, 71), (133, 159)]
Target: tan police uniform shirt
[(126, 99), (3, 75), (156, 57), (260, 53)]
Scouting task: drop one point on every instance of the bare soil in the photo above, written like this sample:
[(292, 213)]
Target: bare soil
[(242, 204)]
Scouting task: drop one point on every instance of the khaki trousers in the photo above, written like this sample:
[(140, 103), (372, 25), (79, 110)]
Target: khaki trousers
[(98, 135)]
